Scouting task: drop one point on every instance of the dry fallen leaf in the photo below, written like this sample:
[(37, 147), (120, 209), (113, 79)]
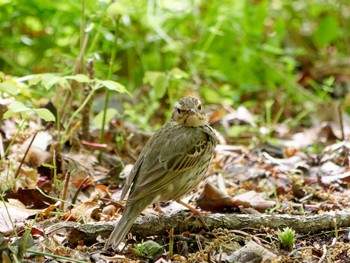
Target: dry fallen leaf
[(253, 252), (255, 200), (14, 212), (327, 180), (87, 209), (27, 178), (212, 199), (30, 198)]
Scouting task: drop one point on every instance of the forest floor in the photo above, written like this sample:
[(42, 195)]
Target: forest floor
[(282, 197)]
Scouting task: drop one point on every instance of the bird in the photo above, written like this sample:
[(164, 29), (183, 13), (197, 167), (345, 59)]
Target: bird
[(173, 161)]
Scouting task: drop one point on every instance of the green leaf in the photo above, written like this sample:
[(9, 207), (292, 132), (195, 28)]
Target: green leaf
[(158, 80), (112, 85), (8, 114), (81, 78), (110, 114), (177, 73), (47, 79), (45, 114), (119, 8), (16, 107), (210, 95), (32, 79), (50, 80), (272, 49), (327, 31), (151, 248), (9, 87), (48, 165), (236, 131), (4, 188)]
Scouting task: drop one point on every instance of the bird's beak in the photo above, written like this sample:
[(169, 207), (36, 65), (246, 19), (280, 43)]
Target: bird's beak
[(191, 111)]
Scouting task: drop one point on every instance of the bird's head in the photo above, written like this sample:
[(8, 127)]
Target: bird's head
[(189, 111)]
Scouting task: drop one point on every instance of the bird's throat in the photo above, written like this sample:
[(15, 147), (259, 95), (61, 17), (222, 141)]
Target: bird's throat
[(193, 120)]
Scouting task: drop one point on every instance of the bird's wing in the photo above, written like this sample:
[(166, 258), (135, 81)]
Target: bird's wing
[(166, 160), (149, 147), (131, 176)]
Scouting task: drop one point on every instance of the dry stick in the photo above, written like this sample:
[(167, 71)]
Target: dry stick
[(152, 225), (79, 62), (25, 154), (341, 123), (65, 189), (324, 253), (2, 152), (86, 111), (75, 197)]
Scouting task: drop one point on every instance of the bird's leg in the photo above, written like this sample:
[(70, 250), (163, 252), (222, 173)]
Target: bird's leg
[(194, 211), (159, 209)]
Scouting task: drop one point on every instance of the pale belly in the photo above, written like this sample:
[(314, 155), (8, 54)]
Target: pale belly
[(183, 184)]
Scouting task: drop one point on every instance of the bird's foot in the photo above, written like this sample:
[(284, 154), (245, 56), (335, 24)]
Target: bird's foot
[(194, 211)]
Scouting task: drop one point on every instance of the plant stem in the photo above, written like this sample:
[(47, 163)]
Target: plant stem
[(110, 72), (51, 197), (82, 25), (16, 135), (9, 216), (54, 256), (74, 115), (25, 154), (171, 242)]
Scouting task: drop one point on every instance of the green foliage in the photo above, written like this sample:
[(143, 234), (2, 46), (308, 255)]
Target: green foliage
[(287, 238), (230, 52), (149, 248), (324, 89), (29, 88), (18, 107), (111, 113)]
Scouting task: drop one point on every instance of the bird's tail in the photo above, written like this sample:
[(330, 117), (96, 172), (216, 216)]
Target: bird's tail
[(131, 212)]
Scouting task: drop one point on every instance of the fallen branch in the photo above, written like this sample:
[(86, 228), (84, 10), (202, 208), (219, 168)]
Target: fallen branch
[(153, 225)]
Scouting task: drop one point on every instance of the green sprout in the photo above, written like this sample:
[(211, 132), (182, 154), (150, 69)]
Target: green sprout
[(287, 238)]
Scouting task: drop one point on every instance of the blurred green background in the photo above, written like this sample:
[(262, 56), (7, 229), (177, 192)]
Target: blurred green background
[(228, 52)]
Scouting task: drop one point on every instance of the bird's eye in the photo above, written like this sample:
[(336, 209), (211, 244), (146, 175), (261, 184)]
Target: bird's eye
[(178, 110), (199, 107)]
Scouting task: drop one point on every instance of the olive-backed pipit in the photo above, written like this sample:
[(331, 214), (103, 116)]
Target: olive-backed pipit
[(172, 163)]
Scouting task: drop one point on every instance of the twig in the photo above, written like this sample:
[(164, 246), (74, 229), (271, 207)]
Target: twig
[(54, 256), (86, 111), (323, 254), (341, 122), (25, 155), (75, 197), (152, 225), (65, 189), (2, 152)]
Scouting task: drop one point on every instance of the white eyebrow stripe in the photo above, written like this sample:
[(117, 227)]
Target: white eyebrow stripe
[(177, 105)]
